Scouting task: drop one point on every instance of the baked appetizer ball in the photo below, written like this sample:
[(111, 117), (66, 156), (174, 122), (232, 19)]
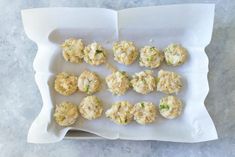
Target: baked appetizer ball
[(65, 83), (169, 82), (124, 52), (89, 82), (144, 82), (120, 112), (170, 107), (66, 113), (95, 54), (144, 112), (118, 82), (150, 57), (73, 50), (91, 107), (175, 54)]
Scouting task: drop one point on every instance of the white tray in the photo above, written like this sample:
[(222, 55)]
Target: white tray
[(188, 24)]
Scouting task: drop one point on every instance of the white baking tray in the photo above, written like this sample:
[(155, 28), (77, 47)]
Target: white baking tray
[(188, 24)]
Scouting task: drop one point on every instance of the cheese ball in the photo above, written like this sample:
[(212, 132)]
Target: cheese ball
[(89, 82), (95, 54), (170, 107), (91, 107), (66, 113), (150, 57), (169, 82), (175, 54), (118, 82), (120, 112), (65, 83), (144, 112), (73, 50), (124, 52), (144, 82)]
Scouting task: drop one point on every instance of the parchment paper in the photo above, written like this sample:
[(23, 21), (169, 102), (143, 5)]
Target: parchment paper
[(188, 24)]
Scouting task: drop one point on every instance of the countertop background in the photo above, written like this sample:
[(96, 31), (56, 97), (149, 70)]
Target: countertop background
[(21, 101)]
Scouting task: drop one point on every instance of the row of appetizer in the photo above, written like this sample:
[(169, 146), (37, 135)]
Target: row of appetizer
[(122, 112), (124, 52), (118, 82)]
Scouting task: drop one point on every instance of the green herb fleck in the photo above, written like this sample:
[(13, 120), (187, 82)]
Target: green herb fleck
[(98, 101), (174, 45), (142, 104), (170, 61), (164, 106), (152, 48), (87, 88), (98, 51), (149, 59), (123, 72)]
